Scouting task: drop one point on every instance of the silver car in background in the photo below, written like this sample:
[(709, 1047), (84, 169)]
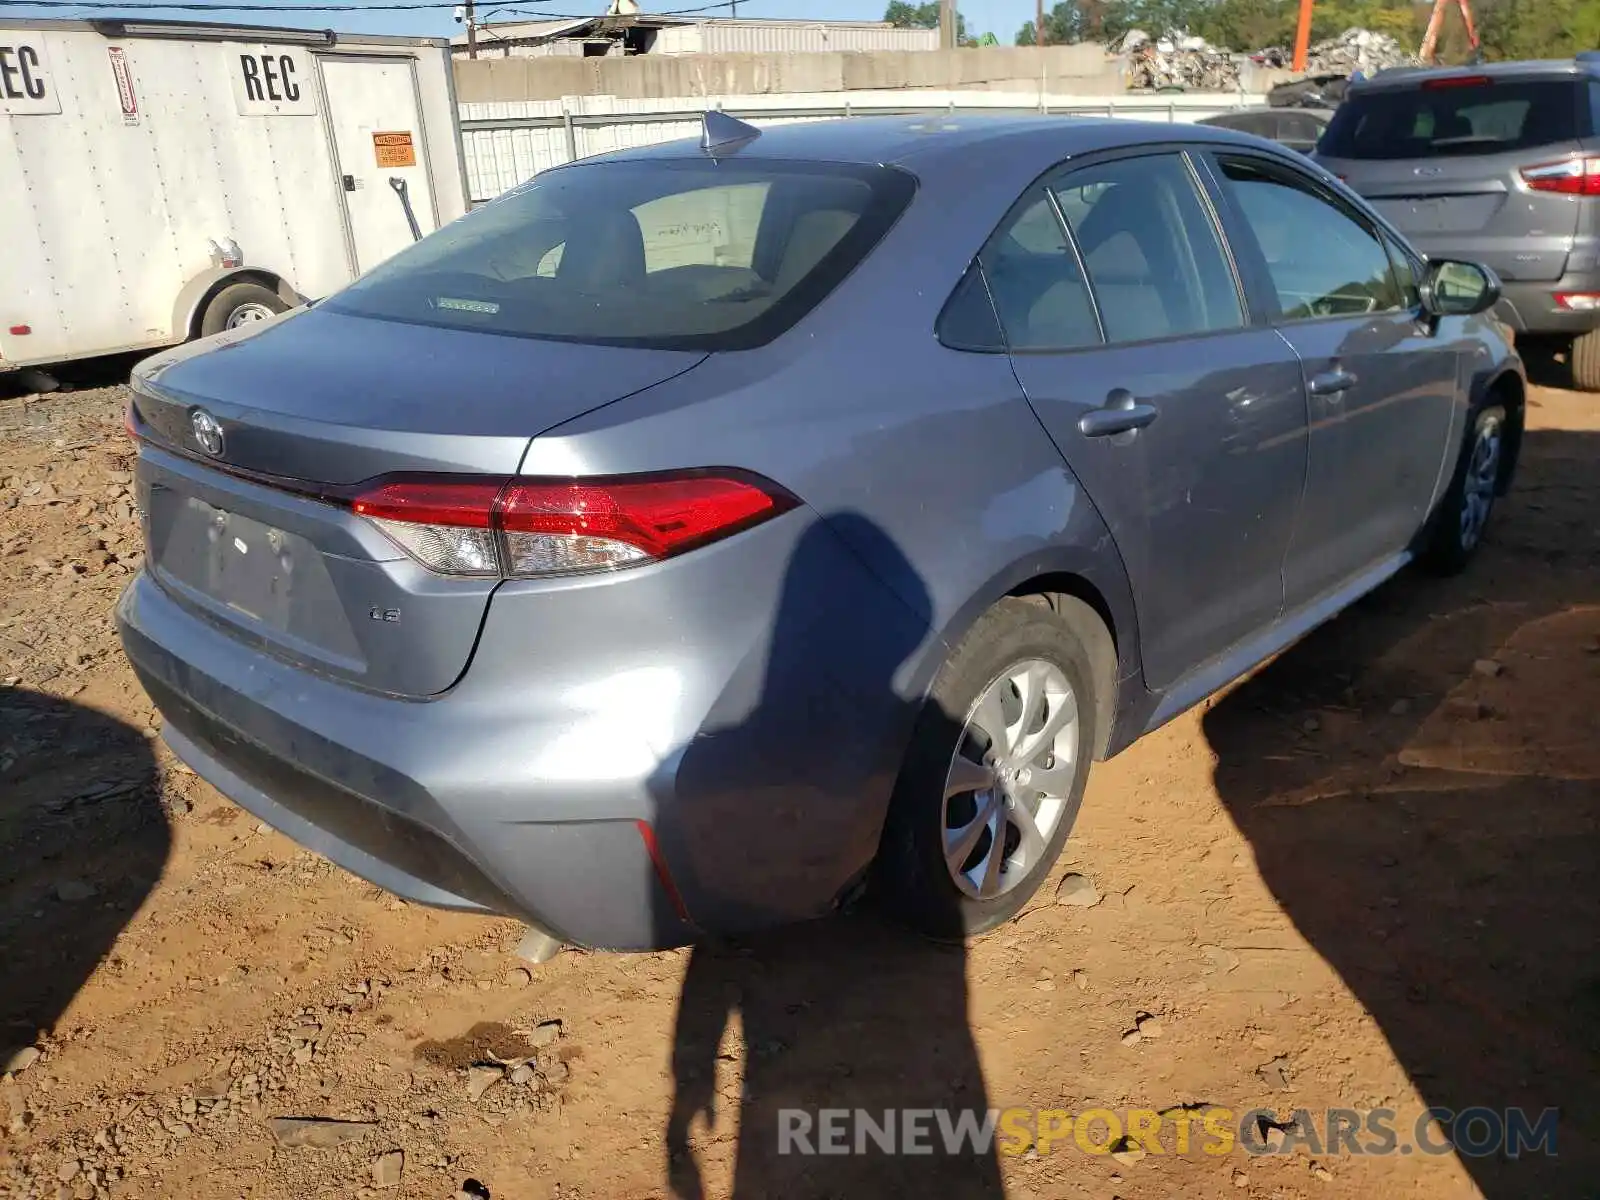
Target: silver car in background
[(1499, 164)]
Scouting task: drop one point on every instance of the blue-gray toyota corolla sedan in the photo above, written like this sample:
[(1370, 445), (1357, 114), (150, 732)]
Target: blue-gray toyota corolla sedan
[(695, 535)]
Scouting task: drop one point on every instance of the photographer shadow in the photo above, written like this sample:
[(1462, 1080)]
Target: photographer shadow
[(853, 1012), (1435, 835), (83, 842)]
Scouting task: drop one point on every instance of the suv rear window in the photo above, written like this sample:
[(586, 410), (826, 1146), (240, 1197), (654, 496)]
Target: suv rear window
[(670, 254), (1438, 122)]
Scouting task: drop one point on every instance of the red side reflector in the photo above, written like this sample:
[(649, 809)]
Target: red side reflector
[(659, 861), (1456, 81), (128, 422), (21, 330)]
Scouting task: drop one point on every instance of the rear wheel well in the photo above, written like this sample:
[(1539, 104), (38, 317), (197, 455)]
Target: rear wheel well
[(1080, 603), (265, 279)]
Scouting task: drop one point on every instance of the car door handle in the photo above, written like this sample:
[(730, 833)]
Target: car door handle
[(1121, 414), (1332, 383)]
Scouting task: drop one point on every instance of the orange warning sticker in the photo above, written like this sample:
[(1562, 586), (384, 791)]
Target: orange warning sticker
[(394, 149)]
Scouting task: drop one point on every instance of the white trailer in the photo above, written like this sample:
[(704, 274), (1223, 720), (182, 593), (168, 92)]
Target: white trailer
[(164, 180)]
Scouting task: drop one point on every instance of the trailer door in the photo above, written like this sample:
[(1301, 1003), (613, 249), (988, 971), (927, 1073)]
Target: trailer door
[(378, 136)]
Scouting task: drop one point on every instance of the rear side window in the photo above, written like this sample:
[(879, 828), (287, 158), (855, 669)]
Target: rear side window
[(1475, 119), (1038, 289), (1152, 250), (1321, 260), (689, 254)]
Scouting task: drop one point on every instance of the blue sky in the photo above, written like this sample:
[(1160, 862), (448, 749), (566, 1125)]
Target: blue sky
[(1002, 17)]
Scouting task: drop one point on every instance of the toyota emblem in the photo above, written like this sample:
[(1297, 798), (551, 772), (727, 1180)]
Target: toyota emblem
[(207, 432)]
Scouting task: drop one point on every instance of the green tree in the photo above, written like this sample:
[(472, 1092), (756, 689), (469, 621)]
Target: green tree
[(1540, 28), (923, 16), (912, 16)]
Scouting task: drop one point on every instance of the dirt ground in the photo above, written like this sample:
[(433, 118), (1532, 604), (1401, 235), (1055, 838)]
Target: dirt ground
[(1364, 879)]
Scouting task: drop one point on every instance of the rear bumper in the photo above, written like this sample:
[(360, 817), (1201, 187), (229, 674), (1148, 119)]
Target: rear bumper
[(1531, 308), (693, 698)]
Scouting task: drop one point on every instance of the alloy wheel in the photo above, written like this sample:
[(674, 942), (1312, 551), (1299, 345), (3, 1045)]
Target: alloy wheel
[(1478, 490), (1007, 788)]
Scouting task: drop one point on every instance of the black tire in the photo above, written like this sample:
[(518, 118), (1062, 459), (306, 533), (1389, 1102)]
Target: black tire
[(1585, 359), (237, 299), (913, 880), (1451, 540)]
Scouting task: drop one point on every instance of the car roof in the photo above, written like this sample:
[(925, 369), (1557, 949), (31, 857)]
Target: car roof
[(1408, 77), (928, 143)]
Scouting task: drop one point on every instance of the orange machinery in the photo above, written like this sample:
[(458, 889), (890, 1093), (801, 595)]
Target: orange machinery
[(1430, 40)]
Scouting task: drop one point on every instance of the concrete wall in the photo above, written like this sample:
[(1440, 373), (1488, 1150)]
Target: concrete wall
[(1080, 70)]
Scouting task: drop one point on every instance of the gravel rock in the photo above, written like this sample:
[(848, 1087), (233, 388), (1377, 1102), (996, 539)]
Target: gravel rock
[(546, 1033), (73, 890), (317, 1133), (481, 1078), (1488, 668), (1127, 1152), (1464, 709), (1275, 1073), (387, 1169), (1078, 891), (18, 1061)]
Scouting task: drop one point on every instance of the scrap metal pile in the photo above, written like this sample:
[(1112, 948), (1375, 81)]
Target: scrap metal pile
[(1178, 62), (1353, 50)]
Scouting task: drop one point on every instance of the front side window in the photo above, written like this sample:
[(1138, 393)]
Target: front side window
[(1406, 273), (1322, 262), (673, 254), (1153, 253)]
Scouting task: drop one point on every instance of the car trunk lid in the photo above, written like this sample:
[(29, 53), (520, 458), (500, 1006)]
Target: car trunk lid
[(255, 445)]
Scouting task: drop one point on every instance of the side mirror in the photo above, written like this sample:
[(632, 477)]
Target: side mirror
[(1459, 289)]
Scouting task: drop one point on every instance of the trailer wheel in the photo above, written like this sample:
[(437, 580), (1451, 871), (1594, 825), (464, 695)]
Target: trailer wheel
[(240, 304)]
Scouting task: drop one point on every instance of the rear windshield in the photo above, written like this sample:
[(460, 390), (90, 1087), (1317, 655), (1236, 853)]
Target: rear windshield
[(1439, 122), (692, 254)]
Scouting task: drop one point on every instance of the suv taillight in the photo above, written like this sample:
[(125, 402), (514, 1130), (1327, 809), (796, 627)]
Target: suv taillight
[(1570, 177), (526, 528)]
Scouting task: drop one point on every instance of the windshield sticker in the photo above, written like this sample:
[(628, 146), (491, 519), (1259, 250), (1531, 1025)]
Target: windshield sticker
[(486, 307)]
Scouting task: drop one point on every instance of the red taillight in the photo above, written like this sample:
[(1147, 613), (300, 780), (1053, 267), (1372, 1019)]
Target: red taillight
[(1570, 177), (21, 330), (467, 503), (1578, 301), (1456, 81), (523, 528)]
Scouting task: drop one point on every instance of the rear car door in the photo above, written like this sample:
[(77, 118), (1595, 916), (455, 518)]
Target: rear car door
[(1185, 422), (1454, 163), (1380, 384)]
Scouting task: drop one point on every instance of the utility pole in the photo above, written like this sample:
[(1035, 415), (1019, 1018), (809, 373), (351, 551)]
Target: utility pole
[(947, 24), (1038, 23), (472, 32)]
